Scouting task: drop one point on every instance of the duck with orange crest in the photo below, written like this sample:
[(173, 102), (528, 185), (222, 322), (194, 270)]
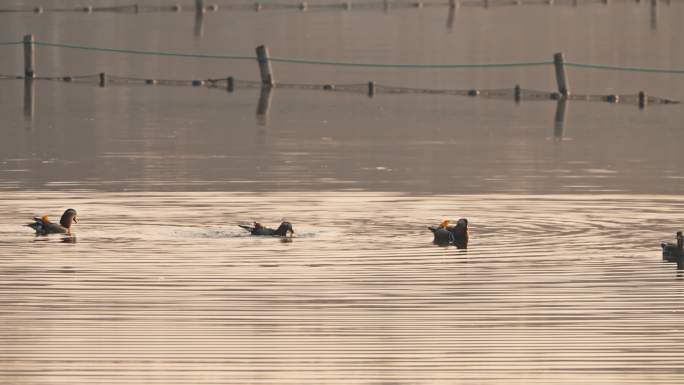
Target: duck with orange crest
[(43, 226), (446, 233)]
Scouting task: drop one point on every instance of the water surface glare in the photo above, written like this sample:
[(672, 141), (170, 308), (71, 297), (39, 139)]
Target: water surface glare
[(163, 288)]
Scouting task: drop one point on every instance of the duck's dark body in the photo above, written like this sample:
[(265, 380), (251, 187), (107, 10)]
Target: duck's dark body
[(673, 251), (442, 235), (258, 229), (43, 226), (456, 235), (670, 251)]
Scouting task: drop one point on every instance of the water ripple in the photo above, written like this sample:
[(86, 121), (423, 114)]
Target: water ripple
[(165, 289)]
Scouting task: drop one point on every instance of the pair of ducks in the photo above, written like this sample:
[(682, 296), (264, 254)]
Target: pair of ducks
[(444, 234), (447, 234), (43, 226)]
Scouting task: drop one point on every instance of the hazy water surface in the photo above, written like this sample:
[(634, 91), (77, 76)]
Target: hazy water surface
[(562, 282), (164, 288)]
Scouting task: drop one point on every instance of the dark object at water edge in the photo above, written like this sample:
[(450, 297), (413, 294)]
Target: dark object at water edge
[(674, 252)]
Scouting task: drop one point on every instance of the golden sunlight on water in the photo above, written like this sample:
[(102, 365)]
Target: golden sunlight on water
[(165, 289), (162, 288)]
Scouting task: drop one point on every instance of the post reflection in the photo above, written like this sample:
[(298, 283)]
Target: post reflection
[(559, 120), (264, 105), (451, 16), (29, 100), (654, 15), (199, 22)]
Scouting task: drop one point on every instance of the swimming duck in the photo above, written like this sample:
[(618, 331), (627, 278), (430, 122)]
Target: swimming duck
[(446, 233), (672, 250), (43, 226), (258, 229)]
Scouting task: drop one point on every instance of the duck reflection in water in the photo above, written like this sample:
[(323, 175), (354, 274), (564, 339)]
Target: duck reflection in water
[(446, 234), (69, 239)]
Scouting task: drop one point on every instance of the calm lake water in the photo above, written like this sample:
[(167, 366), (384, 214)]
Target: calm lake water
[(562, 282), (164, 288)]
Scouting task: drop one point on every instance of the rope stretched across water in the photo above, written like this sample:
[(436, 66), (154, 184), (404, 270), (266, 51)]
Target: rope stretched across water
[(290, 60), (145, 52), (627, 69), (350, 64)]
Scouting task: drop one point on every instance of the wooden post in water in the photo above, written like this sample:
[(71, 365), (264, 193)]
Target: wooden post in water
[(643, 100), (29, 57), (265, 66), (103, 79), (516, 93), (561, 77), (230, 84), (680, 251), (371, 89), (29, 75), (199, 5)]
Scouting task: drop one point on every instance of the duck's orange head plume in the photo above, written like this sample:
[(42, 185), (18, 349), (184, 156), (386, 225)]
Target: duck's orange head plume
[(444, 223), (44, 218)]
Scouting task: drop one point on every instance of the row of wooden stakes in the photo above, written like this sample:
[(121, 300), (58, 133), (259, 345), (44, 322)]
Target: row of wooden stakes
[(201, 7)]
